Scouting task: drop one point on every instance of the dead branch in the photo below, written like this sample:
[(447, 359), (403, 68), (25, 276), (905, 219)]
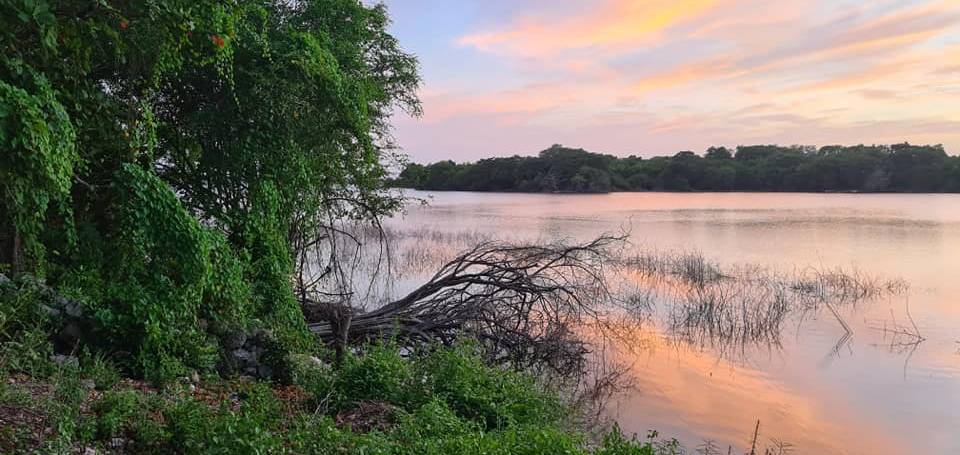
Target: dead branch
[(523, 302)]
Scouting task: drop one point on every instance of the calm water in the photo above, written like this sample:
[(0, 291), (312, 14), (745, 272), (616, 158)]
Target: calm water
[(866, 395)]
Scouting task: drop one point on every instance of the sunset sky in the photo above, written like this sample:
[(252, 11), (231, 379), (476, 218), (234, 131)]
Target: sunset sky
[(504, 77)]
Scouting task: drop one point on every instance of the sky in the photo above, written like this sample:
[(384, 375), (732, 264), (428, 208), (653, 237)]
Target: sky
[(640, 77)]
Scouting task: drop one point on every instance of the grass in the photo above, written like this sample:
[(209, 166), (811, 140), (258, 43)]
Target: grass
[(378, 401), (689, 267), (411, 250), (732, 307)]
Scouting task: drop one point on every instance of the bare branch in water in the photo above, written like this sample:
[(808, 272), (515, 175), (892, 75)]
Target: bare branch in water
[(523, 302)]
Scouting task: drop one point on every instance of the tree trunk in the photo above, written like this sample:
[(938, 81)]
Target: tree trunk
[(15, 254)]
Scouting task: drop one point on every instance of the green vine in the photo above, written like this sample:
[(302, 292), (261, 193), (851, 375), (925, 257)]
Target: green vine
[(39, 159), (157, 154)]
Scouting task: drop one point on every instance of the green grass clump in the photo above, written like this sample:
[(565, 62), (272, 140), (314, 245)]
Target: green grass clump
[(485, 396), (441, 401)]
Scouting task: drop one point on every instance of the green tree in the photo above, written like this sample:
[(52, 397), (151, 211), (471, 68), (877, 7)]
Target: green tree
[(163, 160), (718, 153), (901, 167)]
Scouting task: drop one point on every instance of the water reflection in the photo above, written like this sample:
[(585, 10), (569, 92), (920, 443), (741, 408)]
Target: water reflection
[(751, 336), (700, 396)]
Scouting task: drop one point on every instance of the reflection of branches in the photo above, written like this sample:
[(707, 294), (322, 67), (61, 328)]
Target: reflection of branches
[(709, 447), (728, 314), (778, 447), (901, 338), (774, 447), (592, 391), (843, 341)]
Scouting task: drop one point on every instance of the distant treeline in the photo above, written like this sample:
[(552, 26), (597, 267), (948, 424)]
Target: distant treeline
[(865, 168)]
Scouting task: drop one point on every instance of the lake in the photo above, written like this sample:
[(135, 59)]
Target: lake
[(831, 383)]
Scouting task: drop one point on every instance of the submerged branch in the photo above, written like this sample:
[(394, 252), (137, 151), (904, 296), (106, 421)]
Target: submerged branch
[(523, 302)]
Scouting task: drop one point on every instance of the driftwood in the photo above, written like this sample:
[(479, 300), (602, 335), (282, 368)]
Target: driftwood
[(522, 302)]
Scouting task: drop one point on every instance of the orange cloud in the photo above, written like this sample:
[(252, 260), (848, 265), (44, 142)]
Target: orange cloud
[(692, 72), (657, 72), (886, 36), (891, 32), (530, 99), (618, 22), (859, 78)]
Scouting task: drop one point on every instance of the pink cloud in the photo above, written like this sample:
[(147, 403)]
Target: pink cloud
[(613, 23), (641, 77)]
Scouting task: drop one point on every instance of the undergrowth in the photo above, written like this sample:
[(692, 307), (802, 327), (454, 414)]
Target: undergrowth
[(378, 400)]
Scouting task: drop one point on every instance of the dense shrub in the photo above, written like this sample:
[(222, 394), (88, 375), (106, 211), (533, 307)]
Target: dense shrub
[(159, 156), (491, 397), (24, 327), (476, 410)]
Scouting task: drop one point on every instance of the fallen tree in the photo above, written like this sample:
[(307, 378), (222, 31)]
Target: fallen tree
[(522, 302)]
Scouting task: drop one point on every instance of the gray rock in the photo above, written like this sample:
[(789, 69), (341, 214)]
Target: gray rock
[(314, 361), (65, 360), (264, 372), (259, 337), (51, 311), (71, 331), (235, 340), (72, 308), (4, 280), (242, 355)]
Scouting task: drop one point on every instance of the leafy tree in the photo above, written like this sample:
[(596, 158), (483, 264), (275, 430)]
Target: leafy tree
[(164, 160), (718, 153), (413, 175), (873, 168), (916, 168), (590, 180)]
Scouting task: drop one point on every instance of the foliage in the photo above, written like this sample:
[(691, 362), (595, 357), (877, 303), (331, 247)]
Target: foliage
[(440, 402), (488, 397), (100, 370), (306, 104), (24, 328), (154, 300), (271, 269), (162, 159), (896, 168), (39, 158)]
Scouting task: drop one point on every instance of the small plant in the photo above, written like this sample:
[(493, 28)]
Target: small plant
[(377, 373), (97, 368), (119, 411)]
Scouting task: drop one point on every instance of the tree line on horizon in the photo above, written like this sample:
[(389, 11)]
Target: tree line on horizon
[(860, 168)]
